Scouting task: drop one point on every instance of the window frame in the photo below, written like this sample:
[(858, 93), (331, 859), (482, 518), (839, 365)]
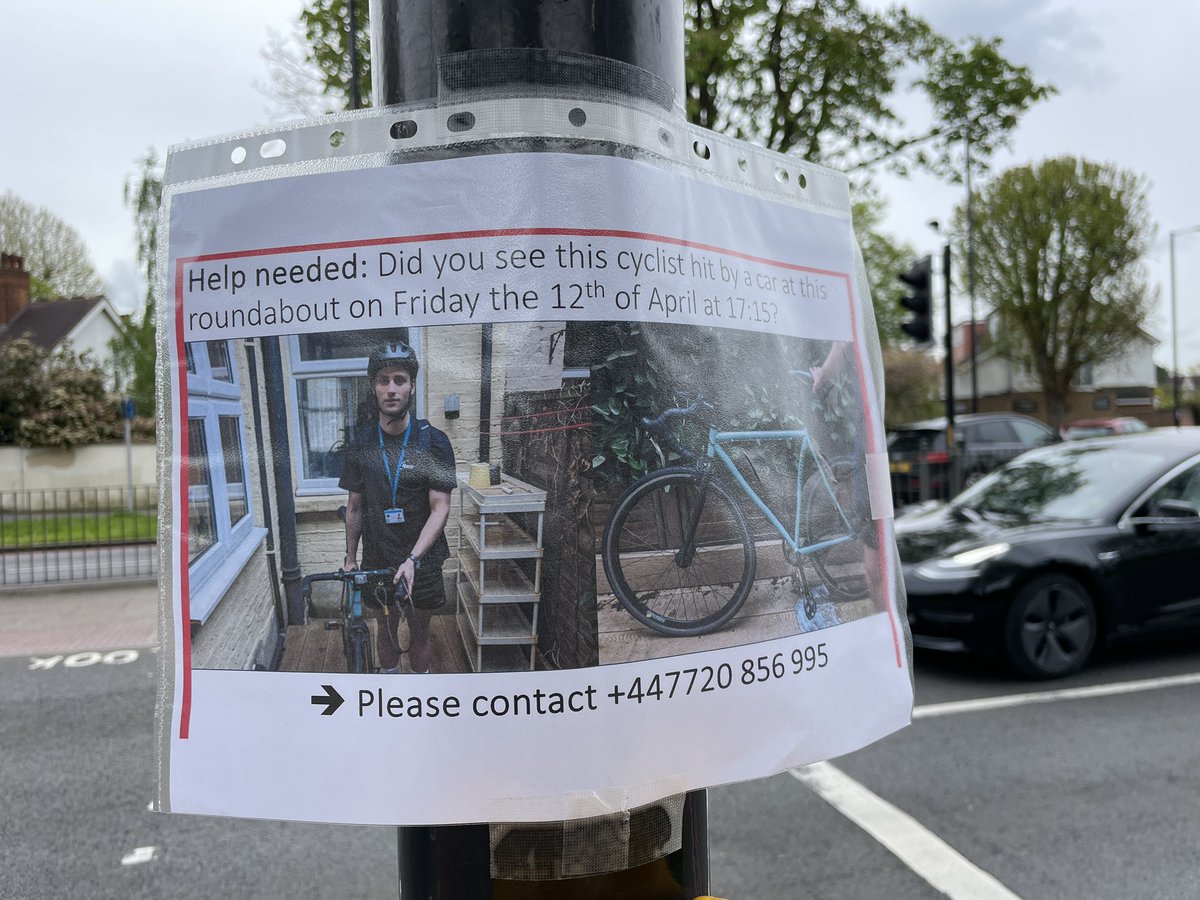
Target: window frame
[(347, 367), (209, 399)]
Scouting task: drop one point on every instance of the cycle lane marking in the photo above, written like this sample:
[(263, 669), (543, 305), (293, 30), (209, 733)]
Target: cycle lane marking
[(1030, 698), (922, 851)]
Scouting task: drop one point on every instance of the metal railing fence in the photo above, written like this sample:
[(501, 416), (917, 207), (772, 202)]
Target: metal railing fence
[(78, 534)]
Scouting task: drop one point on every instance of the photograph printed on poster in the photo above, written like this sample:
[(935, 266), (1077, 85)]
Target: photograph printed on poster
[(730, 480), (552, 526)]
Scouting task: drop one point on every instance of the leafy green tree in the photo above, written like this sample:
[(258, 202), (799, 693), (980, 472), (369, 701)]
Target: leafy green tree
[(134, 351), (55, 256), (1058, 256), (913, 379), (53, 399), (882, 258), (327, 27), (821, 79)]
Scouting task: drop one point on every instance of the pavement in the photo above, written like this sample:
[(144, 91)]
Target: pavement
[(74, 617)]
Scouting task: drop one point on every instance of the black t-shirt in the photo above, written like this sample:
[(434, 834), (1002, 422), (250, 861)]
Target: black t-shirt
[(428, 465)]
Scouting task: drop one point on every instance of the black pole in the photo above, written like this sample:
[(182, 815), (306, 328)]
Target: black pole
[(485, 394), (281, 459), (951, 448), (408, 37), (971, 277), (260, 439), (355, 96)]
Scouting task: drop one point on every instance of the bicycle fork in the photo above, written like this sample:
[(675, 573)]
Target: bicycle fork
[(687, 549)]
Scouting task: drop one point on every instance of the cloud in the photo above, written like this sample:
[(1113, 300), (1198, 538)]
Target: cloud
[(1060, 44), (126, 288)]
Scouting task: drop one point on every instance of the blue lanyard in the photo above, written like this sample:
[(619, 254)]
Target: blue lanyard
[(394, 480)]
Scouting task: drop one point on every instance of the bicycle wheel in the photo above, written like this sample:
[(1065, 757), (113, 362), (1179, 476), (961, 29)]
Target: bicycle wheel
[(825, 501), (358, 649), (677, 583)]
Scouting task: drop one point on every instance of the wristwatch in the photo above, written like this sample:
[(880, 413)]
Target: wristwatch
[(416, 560)]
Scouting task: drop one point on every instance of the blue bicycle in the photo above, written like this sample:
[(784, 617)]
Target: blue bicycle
[(679, 552), (356, 635)]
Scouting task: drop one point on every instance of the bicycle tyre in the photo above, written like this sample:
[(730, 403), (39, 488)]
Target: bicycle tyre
[(640, 554), (358, 649), (840, 567)]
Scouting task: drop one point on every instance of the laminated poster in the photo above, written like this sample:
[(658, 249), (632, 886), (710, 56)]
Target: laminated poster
[(539, 467)]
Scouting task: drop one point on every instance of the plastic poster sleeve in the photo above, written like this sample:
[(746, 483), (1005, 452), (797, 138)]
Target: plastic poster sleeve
[(615, 386)]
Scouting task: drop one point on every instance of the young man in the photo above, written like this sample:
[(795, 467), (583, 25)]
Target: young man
[(399, 475)]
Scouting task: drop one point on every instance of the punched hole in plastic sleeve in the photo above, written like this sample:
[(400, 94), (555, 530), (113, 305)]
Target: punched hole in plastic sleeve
[(879, 486)]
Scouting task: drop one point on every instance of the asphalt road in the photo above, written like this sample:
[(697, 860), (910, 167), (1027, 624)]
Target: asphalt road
[(1080, 796), (1092, 794), (77, 775)]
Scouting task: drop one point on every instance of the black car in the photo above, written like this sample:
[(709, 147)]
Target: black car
[(1062, 548), (918, 453)]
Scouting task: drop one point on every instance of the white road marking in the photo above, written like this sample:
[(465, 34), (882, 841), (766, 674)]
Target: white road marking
[(1006, 701), (139, 855), (912, 843)]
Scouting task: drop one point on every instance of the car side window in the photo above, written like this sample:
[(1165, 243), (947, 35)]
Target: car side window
[(1184, 486), (1030, 434), (990, 433)]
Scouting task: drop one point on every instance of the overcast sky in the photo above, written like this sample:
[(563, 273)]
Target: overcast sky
[(89, 88)]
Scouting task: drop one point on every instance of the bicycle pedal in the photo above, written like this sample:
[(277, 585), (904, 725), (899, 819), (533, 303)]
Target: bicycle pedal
[(332, 625)]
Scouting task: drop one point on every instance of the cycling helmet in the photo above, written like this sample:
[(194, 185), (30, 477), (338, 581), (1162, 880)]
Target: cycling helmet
[(393, 355)]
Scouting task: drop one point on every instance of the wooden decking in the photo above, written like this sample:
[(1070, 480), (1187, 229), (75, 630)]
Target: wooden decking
[(314, 648), (769, 612)]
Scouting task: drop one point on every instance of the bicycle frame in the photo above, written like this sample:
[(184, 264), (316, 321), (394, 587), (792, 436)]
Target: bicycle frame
[(351, 603), (716, 449)]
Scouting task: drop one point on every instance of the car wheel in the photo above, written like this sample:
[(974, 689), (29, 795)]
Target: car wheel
[(1051, 627)]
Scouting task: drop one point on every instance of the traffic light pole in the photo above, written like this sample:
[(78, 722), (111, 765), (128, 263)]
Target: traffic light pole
[(408, 39), (951, 446)]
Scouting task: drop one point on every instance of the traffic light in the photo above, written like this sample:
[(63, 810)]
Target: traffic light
[(920, 301)]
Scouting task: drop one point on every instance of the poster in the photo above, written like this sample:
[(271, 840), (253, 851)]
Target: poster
[(624, 413)]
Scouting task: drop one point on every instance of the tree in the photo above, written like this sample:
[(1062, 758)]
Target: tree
[(53, 399), (818, 79), (308, 70), (135, 350), (883, 258), (821, 79), (54, 253), (913, 380), (1058, 256)]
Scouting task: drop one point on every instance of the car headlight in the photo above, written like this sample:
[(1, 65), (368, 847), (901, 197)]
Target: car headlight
[(961, 565)]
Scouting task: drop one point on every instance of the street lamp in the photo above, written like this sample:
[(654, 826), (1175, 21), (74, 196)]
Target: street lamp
[(1175, 321)]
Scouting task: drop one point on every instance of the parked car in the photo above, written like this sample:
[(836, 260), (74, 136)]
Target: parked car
[(1062, 548), (984, 441), (1086, 428)]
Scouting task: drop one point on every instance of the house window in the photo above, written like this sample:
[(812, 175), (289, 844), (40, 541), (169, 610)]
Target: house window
[(332, 399), (221, 532), (202, 526)]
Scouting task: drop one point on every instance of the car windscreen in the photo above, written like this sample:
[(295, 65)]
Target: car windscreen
[(1060, 483)]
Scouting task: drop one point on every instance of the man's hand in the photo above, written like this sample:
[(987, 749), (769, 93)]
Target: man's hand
[(405, 572), (348, 564)]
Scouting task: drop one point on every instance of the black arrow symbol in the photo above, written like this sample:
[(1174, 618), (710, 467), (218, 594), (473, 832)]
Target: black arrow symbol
[(331, 701)]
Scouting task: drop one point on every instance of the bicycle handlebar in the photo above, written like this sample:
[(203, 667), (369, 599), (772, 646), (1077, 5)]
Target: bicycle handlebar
[(361, 576), (658, 425)]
